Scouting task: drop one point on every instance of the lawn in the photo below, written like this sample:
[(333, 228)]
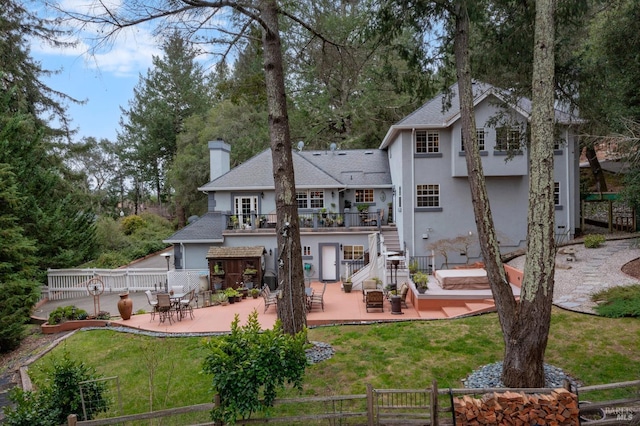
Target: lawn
[(592, 349)]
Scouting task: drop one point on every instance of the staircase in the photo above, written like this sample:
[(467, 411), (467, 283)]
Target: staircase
[(457, 308), (391, 239)]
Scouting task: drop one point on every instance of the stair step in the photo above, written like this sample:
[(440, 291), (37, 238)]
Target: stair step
[(433, 314), (480, 306), (455, 311)]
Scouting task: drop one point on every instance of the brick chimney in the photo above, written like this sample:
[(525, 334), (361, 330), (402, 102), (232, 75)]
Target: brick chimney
[(219, 158)]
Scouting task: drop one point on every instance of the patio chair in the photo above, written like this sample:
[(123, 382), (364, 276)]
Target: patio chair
[(269, 298), (165, 307), (368, 285), (153, 302), (404, 290), (374, 299), (186, 304), (318, 297)]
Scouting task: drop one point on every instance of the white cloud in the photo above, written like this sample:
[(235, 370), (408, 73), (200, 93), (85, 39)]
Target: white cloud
[(124, 55)]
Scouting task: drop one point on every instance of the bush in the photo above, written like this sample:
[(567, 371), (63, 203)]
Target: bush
[(618, 302), (593, 240), (131, 224), (66, 313), (249, 366), (19, 296), (59, 397)]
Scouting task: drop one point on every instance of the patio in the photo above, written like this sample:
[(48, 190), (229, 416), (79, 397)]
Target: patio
[(339, 308)]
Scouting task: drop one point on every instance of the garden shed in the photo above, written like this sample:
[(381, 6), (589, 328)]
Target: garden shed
[(233, 266)]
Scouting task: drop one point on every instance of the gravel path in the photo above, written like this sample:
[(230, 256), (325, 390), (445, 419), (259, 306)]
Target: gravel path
[(593, 270)]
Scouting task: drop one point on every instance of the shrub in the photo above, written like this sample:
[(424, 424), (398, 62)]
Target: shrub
[(250, 365), (594, 240), (59, 396), (19, 295), (618, 302), (131, 224), (66, 313)]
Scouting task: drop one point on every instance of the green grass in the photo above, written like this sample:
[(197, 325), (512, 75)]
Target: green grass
[(618, 302), (592, 349)]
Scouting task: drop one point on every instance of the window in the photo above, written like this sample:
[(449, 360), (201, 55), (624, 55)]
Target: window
[(364, 195), (428, 196), (479, 136), (310, 199), (353, 252), (306, 251), (243, 208), (427, 142), (556, 193), (508, 139)]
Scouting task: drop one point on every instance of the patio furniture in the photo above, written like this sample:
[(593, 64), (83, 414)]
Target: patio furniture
[(269, 297), (318, 297), (374, 299), (165, 307), (404, 290), (153, 302), (368, 285), (185, 304)]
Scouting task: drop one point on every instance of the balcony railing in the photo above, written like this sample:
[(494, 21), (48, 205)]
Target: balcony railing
[(309, 220)]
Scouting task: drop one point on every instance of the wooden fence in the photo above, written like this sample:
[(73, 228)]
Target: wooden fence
[(614, 404)]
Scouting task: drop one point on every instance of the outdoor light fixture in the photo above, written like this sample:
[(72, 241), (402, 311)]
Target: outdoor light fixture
[(262, 194), (340, 247), (270, 252)]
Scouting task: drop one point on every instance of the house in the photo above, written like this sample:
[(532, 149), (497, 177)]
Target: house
[(428, 168), (343, 197), (411, 195)]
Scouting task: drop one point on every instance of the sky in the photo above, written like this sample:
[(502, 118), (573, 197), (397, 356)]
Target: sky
[(105, 80)]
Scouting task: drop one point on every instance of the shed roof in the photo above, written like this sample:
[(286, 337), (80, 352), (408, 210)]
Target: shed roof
[(234, 252)]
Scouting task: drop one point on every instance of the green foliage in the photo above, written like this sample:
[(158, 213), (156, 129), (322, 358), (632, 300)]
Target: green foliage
[(60, 395), (147, 232), (249, 366), (131, 224), (420, 279), (618, 302), (231, 292), (594, 240), (66, 313)]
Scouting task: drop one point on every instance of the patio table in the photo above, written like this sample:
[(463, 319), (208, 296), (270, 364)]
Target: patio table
[(175, 301)]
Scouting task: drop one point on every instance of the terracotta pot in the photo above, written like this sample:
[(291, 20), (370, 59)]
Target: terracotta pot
[(125, 306)]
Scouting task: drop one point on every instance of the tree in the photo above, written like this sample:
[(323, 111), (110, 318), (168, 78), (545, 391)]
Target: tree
[(529, 318), (173, 90), (191, 17)]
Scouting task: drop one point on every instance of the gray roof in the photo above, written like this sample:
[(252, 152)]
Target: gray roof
[(207, 229), (444, 110), (313, 169)]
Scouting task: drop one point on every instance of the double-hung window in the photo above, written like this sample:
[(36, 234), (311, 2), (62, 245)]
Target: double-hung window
[(479, 137), (352, 252), (508, 139), (428, 195), (364, 195), (310, 199), (556, 193), (427, 142)]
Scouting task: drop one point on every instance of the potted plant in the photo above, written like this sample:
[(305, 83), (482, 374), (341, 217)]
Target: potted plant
[(347, 285), (220, 299), (323, 212), (231, 294), (249, 271), (217, 269), (413, 266), (255, 293), (421, 279), (339, 220)]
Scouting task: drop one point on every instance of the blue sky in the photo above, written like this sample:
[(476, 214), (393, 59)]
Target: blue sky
[(105, 79)]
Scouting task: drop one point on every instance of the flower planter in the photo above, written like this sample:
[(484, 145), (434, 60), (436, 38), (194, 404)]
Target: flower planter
[(71, 325)]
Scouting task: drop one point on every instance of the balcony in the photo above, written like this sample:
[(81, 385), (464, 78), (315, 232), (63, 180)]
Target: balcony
[(308, 221)]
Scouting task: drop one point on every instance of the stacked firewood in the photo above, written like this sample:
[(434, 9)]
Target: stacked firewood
[(516, 408)]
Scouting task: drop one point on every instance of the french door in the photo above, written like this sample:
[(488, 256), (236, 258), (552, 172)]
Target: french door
[(243, 208)]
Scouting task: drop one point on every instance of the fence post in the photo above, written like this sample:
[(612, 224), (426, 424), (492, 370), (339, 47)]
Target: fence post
[(434, 403), (216, 403), (369, 404), (72, 420)]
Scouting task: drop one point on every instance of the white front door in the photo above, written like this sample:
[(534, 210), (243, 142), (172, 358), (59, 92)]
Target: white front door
[(243, 208), (329, 264)]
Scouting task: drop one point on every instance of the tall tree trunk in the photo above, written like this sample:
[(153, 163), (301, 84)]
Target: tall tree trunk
[(596, 170), (292, 307), (490, 249), (527, 342)]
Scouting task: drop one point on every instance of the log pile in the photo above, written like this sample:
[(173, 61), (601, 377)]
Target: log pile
[(516, 408)]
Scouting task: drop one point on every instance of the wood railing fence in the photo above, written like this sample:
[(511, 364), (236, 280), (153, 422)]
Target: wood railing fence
[(613, 404)]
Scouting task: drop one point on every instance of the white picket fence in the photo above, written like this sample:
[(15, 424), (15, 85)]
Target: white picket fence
[(72, 283)]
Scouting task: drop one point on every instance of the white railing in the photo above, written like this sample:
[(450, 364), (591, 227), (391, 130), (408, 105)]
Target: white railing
[(72, 283)]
